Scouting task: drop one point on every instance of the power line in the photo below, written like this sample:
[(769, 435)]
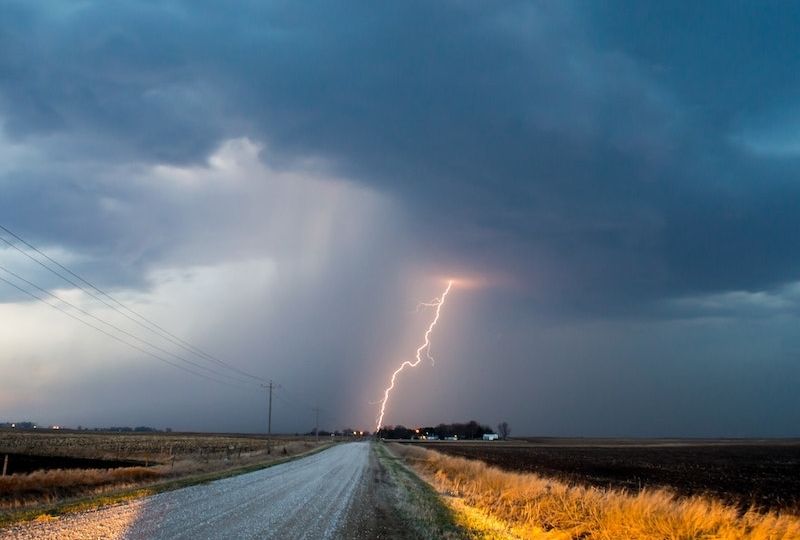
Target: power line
[(117, 338), (289, 397), (140, 320), (282, 399), (147, 324), (118, 329), (112, 303), (270, 387), (296, 402)]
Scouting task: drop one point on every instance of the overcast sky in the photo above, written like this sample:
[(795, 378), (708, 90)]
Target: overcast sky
[(614, 186)]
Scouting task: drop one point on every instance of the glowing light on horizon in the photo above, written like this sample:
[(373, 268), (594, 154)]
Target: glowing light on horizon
[(426, 346)]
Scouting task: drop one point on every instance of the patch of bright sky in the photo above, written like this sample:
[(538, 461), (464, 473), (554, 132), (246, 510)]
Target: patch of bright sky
[(772, 136), (742, 303)]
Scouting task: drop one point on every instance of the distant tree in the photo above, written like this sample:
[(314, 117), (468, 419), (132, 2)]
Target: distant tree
[(471, 430), (443, 430), (503, 430), (396, 432), (401, 432)]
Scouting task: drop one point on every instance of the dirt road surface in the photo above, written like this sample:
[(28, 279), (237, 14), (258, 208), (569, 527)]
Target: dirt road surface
[(314, 497)]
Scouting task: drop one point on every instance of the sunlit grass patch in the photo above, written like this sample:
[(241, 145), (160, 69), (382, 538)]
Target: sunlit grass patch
[(482, 525), (530, 506)]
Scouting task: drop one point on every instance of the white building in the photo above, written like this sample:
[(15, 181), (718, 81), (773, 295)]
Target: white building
[(490, 436)]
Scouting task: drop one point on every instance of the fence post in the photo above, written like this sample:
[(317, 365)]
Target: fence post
[(5, 465)]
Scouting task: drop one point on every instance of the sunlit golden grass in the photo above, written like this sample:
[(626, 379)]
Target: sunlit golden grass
[(531, 506)]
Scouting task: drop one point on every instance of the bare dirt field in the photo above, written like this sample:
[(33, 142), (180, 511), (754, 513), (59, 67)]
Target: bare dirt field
[(760, 474)]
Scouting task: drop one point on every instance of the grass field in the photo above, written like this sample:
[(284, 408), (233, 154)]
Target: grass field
[(48, 475), (503, 504), (128, 445)]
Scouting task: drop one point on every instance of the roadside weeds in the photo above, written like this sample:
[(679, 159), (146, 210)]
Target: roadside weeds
[(118, 496), (505, 505), (419, 507)]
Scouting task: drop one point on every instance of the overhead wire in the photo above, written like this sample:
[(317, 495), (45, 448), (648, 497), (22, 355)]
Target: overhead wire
[(121, 330), (119, 339), (300, 403), (118, 306)]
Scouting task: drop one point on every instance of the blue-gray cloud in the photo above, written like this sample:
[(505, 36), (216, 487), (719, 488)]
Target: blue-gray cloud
[(608, 160), (527, 137)]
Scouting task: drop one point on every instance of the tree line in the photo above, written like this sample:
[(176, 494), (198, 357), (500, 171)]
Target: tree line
[(468, 430)]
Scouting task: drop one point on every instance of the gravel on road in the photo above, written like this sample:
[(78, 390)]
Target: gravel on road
[(306, 498)]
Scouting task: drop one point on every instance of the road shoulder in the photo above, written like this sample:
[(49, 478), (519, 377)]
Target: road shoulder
[(393, 502)]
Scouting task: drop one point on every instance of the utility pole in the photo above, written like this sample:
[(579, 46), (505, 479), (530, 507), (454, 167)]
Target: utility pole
[(269, 415), (316, 422)]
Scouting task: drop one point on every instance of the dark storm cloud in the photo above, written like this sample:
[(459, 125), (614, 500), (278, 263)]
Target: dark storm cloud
[(596, 149), (628, 172)]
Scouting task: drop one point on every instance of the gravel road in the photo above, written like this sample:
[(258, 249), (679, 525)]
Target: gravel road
[(306, 498)]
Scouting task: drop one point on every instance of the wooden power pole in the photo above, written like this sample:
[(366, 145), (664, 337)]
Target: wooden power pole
[(269, 414)]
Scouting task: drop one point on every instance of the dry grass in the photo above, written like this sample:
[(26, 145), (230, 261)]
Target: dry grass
[(174, 456), (139, 446), (19, 490), (411, 501), (529, 506)]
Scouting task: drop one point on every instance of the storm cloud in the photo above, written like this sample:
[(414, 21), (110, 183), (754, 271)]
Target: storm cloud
[(283, 182)]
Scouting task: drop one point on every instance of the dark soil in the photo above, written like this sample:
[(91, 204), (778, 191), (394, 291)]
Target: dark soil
[(24, 463), (761, 475)]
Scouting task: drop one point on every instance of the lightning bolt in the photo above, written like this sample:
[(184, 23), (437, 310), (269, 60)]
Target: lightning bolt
[(426, 346)]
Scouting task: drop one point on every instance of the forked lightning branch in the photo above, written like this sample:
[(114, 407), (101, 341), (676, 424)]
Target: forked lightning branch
[(437, 304)]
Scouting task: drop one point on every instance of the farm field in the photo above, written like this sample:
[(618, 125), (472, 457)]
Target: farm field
[(760, 474), (46, 468), (511, 504), (130, 445)]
